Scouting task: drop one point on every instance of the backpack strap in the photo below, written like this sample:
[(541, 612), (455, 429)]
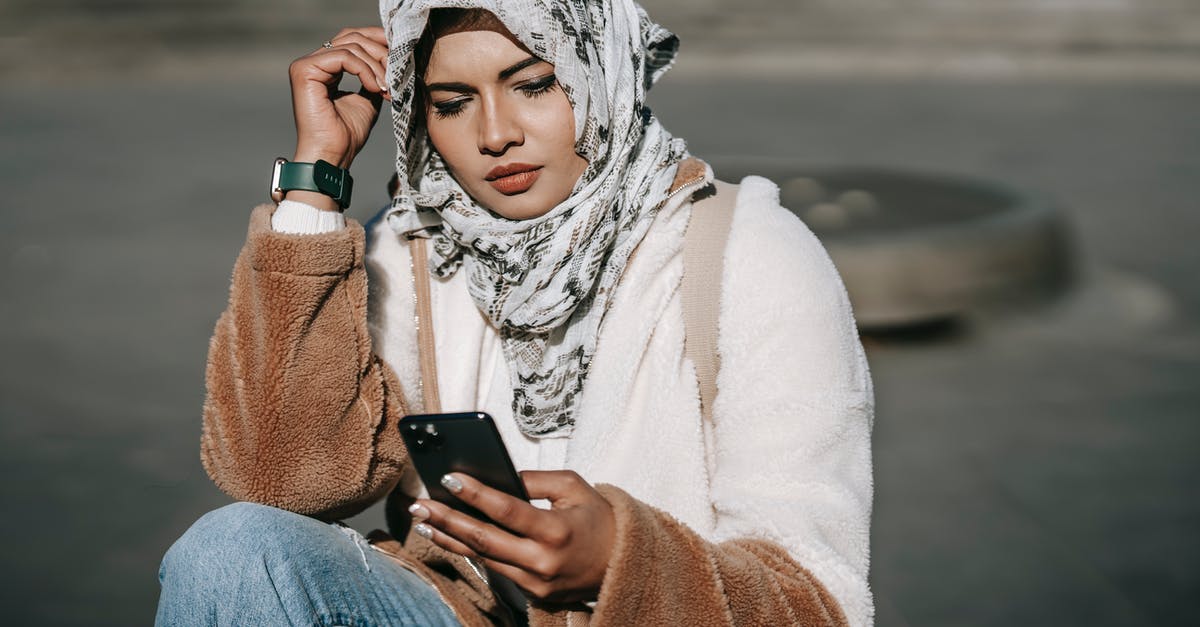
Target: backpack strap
[(703, 267), (430, 397)]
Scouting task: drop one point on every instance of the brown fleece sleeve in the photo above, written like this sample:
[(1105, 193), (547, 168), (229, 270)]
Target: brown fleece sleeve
[(299, 413), (663, 573)]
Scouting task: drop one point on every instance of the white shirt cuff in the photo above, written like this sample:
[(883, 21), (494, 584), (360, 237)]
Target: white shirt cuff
[(302, 218)]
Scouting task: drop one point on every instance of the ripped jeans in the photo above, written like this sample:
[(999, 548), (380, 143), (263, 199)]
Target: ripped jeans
[(249, 564)]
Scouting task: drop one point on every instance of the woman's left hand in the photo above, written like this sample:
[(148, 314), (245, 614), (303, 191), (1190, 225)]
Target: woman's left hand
[(557, 555)]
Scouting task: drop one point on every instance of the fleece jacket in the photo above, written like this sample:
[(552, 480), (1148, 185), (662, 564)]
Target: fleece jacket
[(762, 520)]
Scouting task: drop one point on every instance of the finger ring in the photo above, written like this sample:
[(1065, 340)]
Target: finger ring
[(326, 44)]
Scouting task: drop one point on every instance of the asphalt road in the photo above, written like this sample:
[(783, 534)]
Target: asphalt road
[(1033, 467)]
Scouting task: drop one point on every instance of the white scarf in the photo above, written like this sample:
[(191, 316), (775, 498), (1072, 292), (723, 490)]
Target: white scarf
[(546, 282)]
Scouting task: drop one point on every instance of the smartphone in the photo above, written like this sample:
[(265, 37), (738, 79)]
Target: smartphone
[(465, 442)]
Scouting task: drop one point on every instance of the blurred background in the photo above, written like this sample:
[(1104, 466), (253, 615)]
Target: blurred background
[(1009, 188)]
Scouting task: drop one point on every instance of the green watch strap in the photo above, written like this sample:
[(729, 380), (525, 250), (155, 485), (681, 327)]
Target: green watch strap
[(322, 176)]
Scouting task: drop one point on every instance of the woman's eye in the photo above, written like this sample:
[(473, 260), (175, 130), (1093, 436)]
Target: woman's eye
[(539, 86), (449, 108)]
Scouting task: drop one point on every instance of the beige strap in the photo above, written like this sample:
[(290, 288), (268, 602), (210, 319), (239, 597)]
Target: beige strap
[(425, 347), (427, 354), (703, 266)]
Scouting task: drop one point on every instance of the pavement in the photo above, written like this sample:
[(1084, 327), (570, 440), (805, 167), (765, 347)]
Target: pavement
[(68, 40), (1033, 466)]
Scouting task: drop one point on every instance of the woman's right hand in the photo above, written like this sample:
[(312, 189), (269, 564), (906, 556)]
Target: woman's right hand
[(331, 124)]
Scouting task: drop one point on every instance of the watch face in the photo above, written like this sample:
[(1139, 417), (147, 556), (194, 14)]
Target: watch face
[(276, 192)]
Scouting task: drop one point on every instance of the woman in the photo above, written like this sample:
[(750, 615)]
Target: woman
[(529, 164)]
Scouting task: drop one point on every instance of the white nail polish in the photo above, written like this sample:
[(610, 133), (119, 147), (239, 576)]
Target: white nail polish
[(424, 530), (450, 483), (418, 511)]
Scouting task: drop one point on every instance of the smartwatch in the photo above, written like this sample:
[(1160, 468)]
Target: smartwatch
[(322, 177)]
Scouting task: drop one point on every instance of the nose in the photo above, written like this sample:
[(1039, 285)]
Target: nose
[(499, 127)]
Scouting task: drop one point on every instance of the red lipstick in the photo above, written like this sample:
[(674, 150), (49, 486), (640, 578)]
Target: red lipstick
[(513, 178)]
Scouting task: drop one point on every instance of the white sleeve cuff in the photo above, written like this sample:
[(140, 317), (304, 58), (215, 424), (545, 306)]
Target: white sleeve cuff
[(297, 217)]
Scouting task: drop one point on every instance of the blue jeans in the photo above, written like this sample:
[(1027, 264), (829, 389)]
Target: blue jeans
[(248, 564)]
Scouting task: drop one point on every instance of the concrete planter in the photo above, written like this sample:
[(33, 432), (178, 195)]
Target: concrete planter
[(921, 248)]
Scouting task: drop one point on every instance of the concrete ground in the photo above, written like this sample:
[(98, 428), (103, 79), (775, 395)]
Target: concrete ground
[(1032, 467)]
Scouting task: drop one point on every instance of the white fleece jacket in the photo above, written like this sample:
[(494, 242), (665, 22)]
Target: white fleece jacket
[(794, 408)]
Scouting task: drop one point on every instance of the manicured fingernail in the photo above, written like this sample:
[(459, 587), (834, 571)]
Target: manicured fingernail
[(383, 86), (418, 511), (450, 483), (424, 530)]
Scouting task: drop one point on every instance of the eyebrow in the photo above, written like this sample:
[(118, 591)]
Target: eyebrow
[(461, 88), (505, 74), (517, 67)]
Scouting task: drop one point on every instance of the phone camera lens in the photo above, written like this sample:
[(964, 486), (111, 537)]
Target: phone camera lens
[(420, 438), (432, 436)]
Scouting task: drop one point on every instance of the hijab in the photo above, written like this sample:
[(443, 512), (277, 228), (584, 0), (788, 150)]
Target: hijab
[(546, 282)]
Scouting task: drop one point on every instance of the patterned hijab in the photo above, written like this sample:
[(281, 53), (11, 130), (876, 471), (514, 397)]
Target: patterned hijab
[(545, 282)]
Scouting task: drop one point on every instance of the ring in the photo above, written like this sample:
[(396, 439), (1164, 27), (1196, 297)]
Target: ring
[(326, 44)]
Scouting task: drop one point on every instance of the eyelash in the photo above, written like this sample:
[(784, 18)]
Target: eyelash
[(540, 87), (533, 89)]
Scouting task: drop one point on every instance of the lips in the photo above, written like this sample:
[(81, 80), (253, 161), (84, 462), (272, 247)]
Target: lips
[(513, 178)]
